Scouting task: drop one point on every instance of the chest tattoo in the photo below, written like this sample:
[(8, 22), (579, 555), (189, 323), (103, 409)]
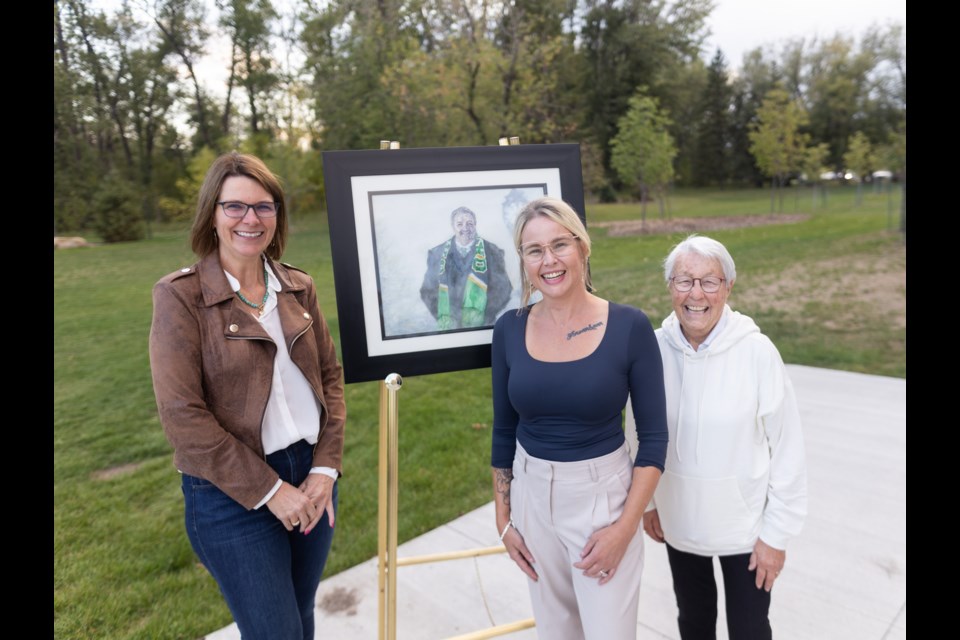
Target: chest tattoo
[(589, 327)]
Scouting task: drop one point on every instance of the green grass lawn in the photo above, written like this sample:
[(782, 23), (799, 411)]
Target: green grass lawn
[(123, 567)]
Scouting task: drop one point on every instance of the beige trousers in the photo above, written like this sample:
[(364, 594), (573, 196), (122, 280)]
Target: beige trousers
[(556, 506)]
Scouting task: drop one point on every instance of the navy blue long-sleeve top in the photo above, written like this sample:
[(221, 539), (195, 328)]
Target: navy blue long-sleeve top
[(569, 411)]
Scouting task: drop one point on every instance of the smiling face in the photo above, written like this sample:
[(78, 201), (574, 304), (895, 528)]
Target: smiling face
[(242, 239), (465, 228), (698, 312), (554, 277)]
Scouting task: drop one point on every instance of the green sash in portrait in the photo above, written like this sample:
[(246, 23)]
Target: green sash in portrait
[(475, 290)]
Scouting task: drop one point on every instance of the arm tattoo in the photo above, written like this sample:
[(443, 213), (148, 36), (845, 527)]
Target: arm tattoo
[(503, 479)]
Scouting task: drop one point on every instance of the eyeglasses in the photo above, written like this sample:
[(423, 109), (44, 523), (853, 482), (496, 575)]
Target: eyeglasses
[(710, 284), (236, 209), (534, 252)]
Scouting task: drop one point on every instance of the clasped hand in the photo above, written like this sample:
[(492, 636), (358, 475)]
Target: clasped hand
[(303, 507)]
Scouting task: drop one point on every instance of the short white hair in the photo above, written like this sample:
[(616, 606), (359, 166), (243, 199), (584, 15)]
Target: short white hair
[(706, 247)]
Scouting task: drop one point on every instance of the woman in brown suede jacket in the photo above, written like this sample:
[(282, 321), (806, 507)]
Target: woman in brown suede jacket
[(250, 395)]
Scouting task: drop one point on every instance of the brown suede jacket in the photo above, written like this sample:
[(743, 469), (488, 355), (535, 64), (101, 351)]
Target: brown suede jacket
[(212, 367)]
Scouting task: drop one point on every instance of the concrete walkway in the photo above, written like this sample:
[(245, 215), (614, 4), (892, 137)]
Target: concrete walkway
[(845, 577)]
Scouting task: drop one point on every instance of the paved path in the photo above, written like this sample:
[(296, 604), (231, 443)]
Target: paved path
[(845, 578)]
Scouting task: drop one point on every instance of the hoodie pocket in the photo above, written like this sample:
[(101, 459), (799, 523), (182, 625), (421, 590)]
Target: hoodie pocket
[(705, 515)]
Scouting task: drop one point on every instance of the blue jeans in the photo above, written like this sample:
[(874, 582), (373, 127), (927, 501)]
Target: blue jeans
[(696, 590), (268, 575)]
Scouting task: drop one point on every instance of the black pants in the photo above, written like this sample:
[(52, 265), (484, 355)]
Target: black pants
[(696, 590)]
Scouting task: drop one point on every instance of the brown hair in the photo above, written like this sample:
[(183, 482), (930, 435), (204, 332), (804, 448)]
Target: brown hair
[(203, 241), (563, 214)]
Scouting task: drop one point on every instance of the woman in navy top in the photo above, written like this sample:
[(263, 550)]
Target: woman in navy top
[(569, 500)]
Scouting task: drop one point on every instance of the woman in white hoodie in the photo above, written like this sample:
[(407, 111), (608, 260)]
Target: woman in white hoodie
[(734, 483)]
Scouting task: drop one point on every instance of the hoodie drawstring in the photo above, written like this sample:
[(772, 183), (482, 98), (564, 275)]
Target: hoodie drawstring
[(703, 387)]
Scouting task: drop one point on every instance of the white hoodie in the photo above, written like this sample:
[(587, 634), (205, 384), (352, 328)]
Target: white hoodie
[(735, 468)]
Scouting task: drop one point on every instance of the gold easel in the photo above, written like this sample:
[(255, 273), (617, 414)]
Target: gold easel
[(387, 519), (387, 527)]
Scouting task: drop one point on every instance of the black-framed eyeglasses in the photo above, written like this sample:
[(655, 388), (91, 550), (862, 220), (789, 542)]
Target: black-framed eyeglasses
[(237, 209), (534, 252), (709, 284)]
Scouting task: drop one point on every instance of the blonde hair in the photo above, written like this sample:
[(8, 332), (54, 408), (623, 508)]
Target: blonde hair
[(563, 214)]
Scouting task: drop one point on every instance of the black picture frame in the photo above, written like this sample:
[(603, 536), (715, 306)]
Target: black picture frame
[(387, 208)]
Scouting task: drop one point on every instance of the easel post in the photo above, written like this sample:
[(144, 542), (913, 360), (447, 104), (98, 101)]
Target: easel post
[(387, 498)]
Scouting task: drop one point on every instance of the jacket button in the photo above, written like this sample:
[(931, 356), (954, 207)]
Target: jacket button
[(234, 328), (306, 315)]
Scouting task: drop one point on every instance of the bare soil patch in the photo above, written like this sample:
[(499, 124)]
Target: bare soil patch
[(655, 226), (874, 285), (113, 472)]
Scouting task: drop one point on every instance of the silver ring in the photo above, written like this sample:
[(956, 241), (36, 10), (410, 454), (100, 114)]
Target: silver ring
[(295, 524), (603, 574)]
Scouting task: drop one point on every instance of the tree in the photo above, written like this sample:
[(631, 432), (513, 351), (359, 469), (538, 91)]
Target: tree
[(642, 152), (181, 22), (630, 44), (182, 205), (836, 91), (757, 77), (884, 99), (814, 164), (113, 95), (145, 92), (74, 152), (348, 45), (859, 159), (776, 140), (712, 161), (540, 72), (894, 157), (248, 24), (681, 93)]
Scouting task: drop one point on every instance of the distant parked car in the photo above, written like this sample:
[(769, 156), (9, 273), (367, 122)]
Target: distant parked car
[(839, 176), (883, 174)]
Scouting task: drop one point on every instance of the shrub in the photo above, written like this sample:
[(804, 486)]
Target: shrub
[(116, 211)]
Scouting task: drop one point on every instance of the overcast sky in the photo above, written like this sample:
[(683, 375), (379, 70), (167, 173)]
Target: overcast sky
[(739, 26)]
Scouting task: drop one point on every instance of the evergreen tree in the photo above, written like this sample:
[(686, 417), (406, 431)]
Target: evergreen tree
[(712, 161)]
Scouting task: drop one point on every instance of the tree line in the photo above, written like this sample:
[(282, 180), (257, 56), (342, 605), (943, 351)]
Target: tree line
[(136, 123)]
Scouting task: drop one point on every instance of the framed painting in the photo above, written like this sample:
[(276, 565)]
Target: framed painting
[(422, 245)]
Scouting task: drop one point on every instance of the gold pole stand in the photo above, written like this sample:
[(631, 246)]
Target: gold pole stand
[(387, 522), (387, 519)]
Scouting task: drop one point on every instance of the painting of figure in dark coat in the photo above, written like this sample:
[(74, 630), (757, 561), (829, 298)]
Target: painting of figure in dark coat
[(466, 282)]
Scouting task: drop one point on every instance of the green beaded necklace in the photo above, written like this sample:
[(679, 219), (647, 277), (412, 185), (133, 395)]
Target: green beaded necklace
[(266, 295)]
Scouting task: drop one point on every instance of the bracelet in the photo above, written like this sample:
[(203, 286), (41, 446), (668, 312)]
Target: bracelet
[(506, 528)]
